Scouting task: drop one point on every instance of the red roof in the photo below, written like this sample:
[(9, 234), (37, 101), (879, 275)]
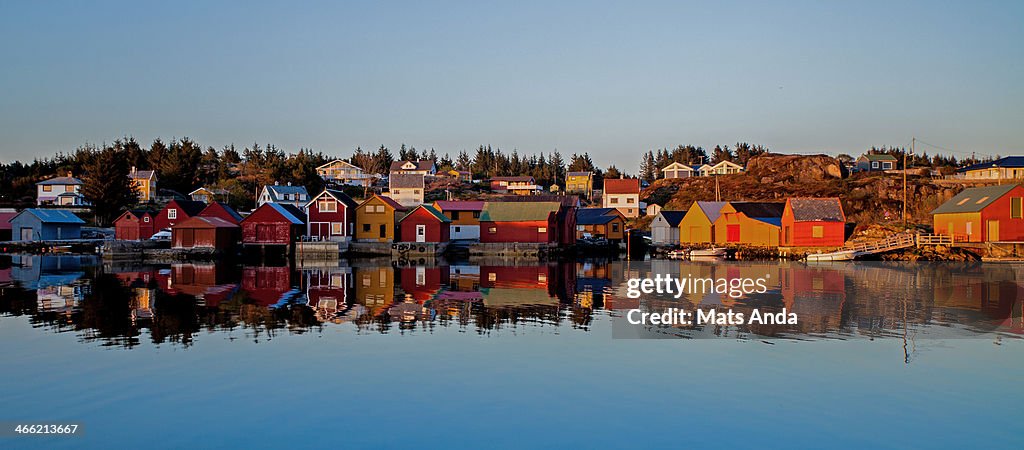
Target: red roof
[(622, 186), (5, 217), (448, 205), (205, 222)]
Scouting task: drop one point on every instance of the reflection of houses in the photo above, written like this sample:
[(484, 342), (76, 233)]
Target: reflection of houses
[(525, 285), (423, 283), (208, 284), (327, 291), (375, 287), (39, 271), (696, 226), (816, 295), (269, 286), (46, 224)]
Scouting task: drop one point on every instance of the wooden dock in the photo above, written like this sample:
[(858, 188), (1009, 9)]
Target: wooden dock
[(895, 242)]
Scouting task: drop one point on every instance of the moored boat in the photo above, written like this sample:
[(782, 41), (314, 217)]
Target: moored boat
[(713, 252), (841, 255)]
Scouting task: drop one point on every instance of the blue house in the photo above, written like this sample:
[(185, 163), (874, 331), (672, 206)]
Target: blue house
[(46, 225)]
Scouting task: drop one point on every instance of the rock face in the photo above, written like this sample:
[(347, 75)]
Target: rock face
[(772, 168)]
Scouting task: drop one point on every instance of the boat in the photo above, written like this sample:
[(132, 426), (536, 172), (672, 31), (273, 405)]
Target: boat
[(678, 254), (713, 252), (841, 255)]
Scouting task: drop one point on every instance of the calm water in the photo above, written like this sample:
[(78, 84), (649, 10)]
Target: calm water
[(504, 355)]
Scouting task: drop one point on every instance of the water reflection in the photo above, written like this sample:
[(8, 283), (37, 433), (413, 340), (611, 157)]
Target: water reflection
[(122, 306)]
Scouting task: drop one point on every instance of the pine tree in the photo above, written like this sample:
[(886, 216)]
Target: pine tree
[(107, 186)]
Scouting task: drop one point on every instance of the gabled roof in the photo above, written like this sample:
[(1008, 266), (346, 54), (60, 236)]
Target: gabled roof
[(52, 215), (1008, 162), (136, 213), (816, 209), (406, 180), (622, 186), (518, 179), (205, 222), (189, 207), (337, 195), (6, 214), (711, 209), (60, 180), (338, 162), (974, 199), (767, 212), (673, 217), (726, 163), (517, 211), (433, 212), (677, 166), (277, 191), (229, 210), (142, 174), (423, 164), (596, 216), (387, 200), (289, 212), (447, 205), (878, 157), (212, 191)]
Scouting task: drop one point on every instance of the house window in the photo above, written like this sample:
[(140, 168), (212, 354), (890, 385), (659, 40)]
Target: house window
[(458, 229), (476, 214), (613, 200), (874, 164), (415, 192), (366, 228), (145, 219), (580, 228), (492, 230), (1016, 208), (172, 213), (631, 200), (887, 165), (817, 231), (542, 229), (337, 228), (47, 188), (397, 192), (615, 227), (327, 205), (492, 276), (455, 215)]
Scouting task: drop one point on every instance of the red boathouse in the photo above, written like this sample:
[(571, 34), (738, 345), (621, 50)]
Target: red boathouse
[(134, 225), (274, 224), (424, 224), (813, 222)]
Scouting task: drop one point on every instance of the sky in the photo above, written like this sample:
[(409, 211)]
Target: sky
[(610, 78)]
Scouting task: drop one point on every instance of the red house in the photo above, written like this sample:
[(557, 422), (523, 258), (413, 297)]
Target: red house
[(176, 211), (134, 225), (983, 214), (424, 224), (222, 211), (274, 224), (204, 232), (520, 222), (813, 222), (331, 216)]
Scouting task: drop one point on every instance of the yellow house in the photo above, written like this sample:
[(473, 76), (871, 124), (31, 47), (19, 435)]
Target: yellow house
[(749, 223), (580, 182), (376, 218), (696, 227), (145, 183)]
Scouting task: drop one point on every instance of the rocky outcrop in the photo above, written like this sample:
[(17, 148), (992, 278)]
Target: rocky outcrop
[(772, 168)]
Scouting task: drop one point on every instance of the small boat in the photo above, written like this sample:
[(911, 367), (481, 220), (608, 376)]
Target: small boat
[(713, 252), (841, 255), (678, 254)]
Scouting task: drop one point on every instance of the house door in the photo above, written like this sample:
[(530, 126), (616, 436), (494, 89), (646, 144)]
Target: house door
[(993, 231), (732, 233), (26, 234), (383, 230), (785, 236), (421, 233), (694, 232), (264, 233), (188, 238), (969, 231)]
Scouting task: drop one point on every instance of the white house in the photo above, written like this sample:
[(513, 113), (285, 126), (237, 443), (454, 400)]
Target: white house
[(285, 195), (725, 168), (665, 227), (422, 167), (344, 173), (406, 188), (60, 191), (622, 194), (677, 170)]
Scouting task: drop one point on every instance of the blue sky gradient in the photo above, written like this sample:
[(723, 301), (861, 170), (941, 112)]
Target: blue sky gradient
[(614, 79)]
